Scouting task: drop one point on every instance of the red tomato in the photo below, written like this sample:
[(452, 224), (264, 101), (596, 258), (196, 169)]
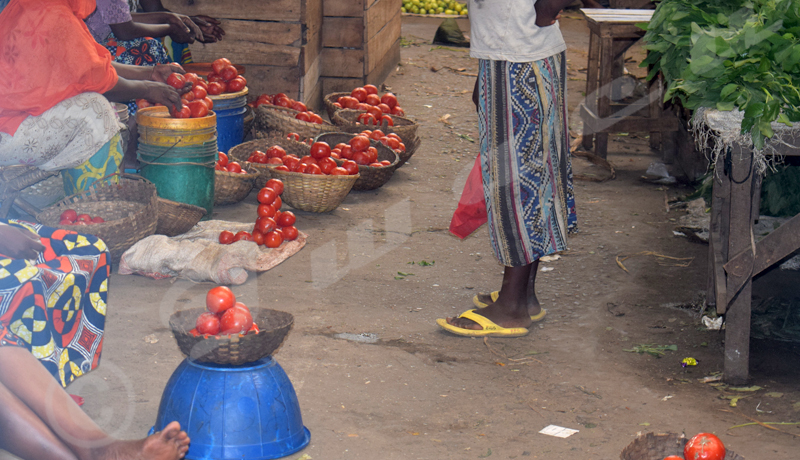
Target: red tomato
[(235, 321), (376, 112), (207, 323), (220, 64), (65, 222), (300, 167), (375, 165), (219, 299), (392, 143), (143, 103), (225, 237), (372, 154), (184, 112), (286, 219), (236, 85), (199, 109), (289, 233), (363, 106), (276, 151), (187, 96), (273, 240), (293, 137), (347, 152), (214, 78), (265, 224), (228, 73), (335, 154), (273, 161), (349, 102), (377, 134), (83, 218), (401, 147), (243, 235), (283, 102), (366, 119), (340, 146), (223, 159), (97, 220), (266, 196), (199, 92), (70, 215), (673, 457), (202, 84), (360, 94), (361, 158), (266, 210), (396, 110), (291, 161), (373, 99), (371, 89), (384, 108), (704, 446), (387, 119), (303, 116), (314, 169), (327, 165), (258, 238), (191, 78), (359, 143), (299, 106), (389, 99), (351, 167), (216, 88), (261, 157), (386, 163), (234, 167), (282, 168), (309, 160), (176, 80), (320, 150), (339, 171), (275, 184), (209, 102), (316, 119), (338, 105)]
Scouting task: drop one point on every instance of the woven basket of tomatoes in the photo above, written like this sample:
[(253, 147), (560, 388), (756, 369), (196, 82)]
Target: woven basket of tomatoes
[(348, 120), (259, 151), (331, 101), (232, 180), (314, 192), (176, 218), (374, 172), (126, 205), (663, 446), (235, 349), (278, 120)]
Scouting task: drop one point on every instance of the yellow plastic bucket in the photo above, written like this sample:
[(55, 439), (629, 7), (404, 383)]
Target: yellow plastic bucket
[(157, 127)]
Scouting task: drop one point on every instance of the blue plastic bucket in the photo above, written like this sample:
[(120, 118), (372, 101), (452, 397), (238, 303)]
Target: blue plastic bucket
[(230, 109), (184, 174), (247, 412)]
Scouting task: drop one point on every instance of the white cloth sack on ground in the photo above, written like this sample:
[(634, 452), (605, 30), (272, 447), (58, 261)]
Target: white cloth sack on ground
[(198, 256)]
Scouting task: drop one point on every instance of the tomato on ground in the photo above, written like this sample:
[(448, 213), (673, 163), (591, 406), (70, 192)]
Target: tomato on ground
[(275, 184), (273, 240), (226, 237), (704, 446)]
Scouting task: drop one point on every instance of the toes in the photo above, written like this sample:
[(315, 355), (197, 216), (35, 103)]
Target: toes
[(170, 431)]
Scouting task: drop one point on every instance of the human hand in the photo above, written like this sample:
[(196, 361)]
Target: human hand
[(548, 12), (162, 93), (161, 72), (212, 32), (19, 243), (183, 29)]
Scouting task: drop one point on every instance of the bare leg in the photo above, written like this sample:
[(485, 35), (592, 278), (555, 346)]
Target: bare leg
[(25, 379), (511, 308), (533, 302)]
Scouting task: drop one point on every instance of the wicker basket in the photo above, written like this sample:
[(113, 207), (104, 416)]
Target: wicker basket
[(230, 188), (275, 120), (231, 349), (249, 121), (371, 177), (176, 218), (312, 192), (329, 100), (652, 446), (128, 204), (346, 120), (242, 152)]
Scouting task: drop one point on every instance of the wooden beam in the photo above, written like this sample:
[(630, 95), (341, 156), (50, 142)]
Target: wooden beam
[(313, 98), (380, 14), (338, 62), (311, 15), (246, 53), (382, 42), (254, 10), (343, 33), (311, 78), (311, 51), (386, 66)]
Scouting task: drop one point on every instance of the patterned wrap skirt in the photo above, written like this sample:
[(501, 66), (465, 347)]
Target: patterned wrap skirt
[(141, 51), (525, 163), (55, 306)]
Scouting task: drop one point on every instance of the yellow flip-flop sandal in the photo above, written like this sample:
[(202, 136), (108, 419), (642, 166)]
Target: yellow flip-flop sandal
[(489, 328), (495, 295)]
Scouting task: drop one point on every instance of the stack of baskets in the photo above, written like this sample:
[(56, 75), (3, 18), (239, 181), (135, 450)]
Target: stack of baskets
[(329, 100), (230, 188), (346, 120), (127, 203), (371, 177), (278, 121), (242, 152)]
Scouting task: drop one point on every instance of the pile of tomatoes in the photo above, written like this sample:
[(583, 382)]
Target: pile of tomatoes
[(320, 161), (224, 78), (359, 151), (282, 100), (223, 165), (225, 316), (377, 109), (272, 226), (702, 446), (71, 217)]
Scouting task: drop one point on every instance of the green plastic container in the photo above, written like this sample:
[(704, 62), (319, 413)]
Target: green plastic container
[(184, 174)]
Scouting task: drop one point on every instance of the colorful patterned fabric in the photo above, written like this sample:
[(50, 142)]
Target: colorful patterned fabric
[(55, 306), (103, 163), (138, 51), (527, 175)]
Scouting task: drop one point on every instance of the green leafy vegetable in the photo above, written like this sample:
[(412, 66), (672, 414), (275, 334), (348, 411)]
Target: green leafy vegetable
[(728, 54)]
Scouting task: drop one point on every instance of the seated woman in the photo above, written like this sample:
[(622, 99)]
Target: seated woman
[(53, 113)]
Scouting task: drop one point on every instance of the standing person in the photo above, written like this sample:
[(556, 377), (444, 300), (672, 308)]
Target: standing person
[(526, 170)]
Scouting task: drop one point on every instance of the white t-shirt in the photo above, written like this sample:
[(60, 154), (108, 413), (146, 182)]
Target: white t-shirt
[(506, 30)]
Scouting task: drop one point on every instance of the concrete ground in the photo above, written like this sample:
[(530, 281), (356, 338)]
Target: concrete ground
[(421, 393)]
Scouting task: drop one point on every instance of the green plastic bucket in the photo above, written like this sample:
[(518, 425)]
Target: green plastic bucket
[(183, 174)]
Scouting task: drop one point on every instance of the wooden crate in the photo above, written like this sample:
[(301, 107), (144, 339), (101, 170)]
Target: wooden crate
[(278, 41), (360, 42)]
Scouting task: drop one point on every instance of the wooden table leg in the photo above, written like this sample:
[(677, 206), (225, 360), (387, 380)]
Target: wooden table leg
[(737, 316), (590, 99), (604, 93)]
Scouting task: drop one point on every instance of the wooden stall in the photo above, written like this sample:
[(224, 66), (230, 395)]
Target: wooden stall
[(360, 42)]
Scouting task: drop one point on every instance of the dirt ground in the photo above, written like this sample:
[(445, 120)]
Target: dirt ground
[(421, 393)]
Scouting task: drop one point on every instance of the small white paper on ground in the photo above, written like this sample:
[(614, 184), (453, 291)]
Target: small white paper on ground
[(552, 258), (558, 431), (547, 269)]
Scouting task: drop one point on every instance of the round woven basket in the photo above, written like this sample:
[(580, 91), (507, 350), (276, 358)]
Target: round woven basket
[(127, 203), (345, 120), (312, 192), (410, 150), (176, 218), (272, 119), (242, 152), (329, 100), (274, 326), (230, 188), (656, 446), (371, 177)]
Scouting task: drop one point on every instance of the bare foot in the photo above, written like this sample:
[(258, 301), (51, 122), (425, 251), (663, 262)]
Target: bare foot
[(169, 444), (534, 308), (499, 314)]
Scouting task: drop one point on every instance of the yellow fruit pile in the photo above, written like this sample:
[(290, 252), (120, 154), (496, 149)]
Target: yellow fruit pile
[(434, 7)]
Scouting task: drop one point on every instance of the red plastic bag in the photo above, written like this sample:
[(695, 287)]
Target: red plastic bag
[(471, 211)]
